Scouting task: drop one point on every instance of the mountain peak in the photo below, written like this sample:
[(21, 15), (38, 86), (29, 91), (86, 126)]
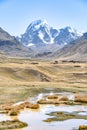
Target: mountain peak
[(73, 30), (70, 29), (40, 33), (39, 21), (36, 24)]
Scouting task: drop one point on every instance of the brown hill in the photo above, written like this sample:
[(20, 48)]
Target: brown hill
[(77, 50), (10, 46)]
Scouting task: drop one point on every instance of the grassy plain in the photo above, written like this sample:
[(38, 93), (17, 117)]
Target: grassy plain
[(22, 78)]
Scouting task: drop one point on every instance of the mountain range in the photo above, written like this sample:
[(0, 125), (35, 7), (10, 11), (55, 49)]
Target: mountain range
[(40, 33), (42, 41)]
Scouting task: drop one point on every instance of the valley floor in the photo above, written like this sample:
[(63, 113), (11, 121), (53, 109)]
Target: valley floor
[(20, 78)]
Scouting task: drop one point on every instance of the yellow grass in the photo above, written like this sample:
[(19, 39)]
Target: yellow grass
[(20, 79)]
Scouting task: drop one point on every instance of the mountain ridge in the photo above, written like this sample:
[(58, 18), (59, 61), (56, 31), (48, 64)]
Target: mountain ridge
[(10, 46), (40, 33), (76, 51), (48, 43)]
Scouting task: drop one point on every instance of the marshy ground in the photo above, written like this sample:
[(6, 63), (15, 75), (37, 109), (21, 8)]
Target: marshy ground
[(35, 114)]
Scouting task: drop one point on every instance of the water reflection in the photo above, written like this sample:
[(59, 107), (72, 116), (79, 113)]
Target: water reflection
[(34, 118), (40, 96), (4, 117)]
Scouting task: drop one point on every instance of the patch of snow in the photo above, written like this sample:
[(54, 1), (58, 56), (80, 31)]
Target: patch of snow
[(65, 43), (42, 38), (40, 35), (71, 30), (79, 34), (52, 40), (30, 44)]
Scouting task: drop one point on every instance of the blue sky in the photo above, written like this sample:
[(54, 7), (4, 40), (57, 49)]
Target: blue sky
[(16, 15)]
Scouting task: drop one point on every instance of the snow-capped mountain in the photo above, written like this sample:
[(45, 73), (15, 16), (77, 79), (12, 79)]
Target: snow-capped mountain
[(40, 33), (67, 35)]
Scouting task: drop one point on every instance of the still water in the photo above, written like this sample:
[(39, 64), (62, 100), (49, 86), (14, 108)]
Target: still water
[(34, 118)]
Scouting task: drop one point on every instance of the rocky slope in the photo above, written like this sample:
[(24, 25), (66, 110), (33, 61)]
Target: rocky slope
[(10, 46), (77, 50)]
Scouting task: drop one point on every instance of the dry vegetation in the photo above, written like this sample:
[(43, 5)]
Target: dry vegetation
[(61, 116), (56, 99), (64, 98), (82, 127), (52, 97), (20, 78), (12, 110), (7, 125), (81, 98)]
